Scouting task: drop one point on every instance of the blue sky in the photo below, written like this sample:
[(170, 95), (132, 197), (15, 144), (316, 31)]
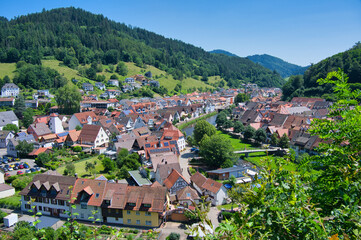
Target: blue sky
[(298, 31)]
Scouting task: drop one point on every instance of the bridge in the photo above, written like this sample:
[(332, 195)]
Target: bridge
[(246, 152)]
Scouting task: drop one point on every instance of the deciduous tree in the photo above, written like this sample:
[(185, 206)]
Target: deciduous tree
[(202, 128)]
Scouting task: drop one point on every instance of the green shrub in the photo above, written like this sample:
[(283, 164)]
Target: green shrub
[(173, 236), (2, 215)]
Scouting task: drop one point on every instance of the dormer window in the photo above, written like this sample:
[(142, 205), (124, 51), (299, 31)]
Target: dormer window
[(132, 204), (147, 205)]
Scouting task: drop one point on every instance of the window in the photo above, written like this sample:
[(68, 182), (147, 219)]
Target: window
[(27, 206), (116, 211), (95, 208), (82, 215), (26, 198), (128, 212), (116, 219), (53, 201), (138, 222), (40, 208), (84, 206), (61, 202), (131, 204), (46, 209), (129, 221), (61, 211), (148, 222), (109, 210), (148, 214), (46, 200), (137, 213)]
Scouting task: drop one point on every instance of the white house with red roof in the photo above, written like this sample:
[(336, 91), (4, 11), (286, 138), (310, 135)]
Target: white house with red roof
[(83, 118), (55, 124), (173, 133)]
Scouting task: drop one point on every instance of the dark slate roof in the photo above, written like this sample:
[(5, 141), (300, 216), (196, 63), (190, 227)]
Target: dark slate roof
[(7, 117)]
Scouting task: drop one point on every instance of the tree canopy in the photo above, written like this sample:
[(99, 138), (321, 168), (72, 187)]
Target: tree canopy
[(201, 129), (217, 151), (68, 99)]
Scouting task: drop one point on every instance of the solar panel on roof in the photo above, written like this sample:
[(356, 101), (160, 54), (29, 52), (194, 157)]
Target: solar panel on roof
[(173, 142), (108, 121), (147, 145), (63, 134), (166, 144)]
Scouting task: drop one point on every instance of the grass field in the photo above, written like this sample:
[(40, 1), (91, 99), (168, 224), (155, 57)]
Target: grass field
[(80, 167), (7, 69), (237, 144), (11, 202), (164, 78)]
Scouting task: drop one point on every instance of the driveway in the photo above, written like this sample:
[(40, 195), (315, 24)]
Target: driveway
[(183, 162), (173, 227), (213, 216)]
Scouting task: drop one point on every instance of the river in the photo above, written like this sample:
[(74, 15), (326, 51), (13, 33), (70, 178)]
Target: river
[(189, 130)]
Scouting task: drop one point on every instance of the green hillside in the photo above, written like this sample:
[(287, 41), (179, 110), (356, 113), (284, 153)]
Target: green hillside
[(79, 38), (284, 68), (306, 85)]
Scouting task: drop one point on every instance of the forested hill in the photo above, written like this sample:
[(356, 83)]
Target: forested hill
[(306, 85), (284, 68), (220, 51), (75, 37)]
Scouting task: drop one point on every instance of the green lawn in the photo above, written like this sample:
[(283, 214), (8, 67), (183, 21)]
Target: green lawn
[(237, 144), (7, 69), (80, 167), (11, 202)]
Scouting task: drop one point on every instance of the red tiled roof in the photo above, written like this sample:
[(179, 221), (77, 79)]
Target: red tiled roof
[(94, 188), (172, 178), (83, 117)]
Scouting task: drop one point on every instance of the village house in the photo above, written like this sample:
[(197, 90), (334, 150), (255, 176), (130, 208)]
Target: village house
[(7, 102), (112, 93), (10, 90), (51, 193), (129, 80), (8, 117), (83, 118), (187, 196), (175, 182), (113, 82), (163, 171), (88, 87), (93, 136), (5, 189), (100, 85), (5, 137), (38, 130), (215, 191), (55, 124), (87, 196), (13, 142)]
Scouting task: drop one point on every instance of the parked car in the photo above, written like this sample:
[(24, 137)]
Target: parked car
[(6, 169), (5, 161), (32, 169), (27, 171), (11, 169), (17, 159), (19, 172), (17, 164), (7, 174), (15, 168), (37, 169), (193, 149), (26, 166), (21, 166)]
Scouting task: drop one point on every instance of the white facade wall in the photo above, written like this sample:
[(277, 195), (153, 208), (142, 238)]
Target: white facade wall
[(8, 92), (113, 220), (48, 205), (101, 138), (7, 193), (85, 214), (56, 125), (73, 122), (181, 143)]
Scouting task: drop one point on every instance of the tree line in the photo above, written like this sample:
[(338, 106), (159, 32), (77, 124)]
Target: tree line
[(75, 37)]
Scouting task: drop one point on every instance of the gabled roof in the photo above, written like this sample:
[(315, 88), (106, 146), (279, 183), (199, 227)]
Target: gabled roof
[(198, 179), (94, 188), (89, 133), (163, 170), (40, 129), (172, 179), (7, 117), (83, 117), (187, 193), (60, 183)]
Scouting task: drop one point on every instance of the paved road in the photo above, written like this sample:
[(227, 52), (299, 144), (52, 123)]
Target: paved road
[(183, 162)]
